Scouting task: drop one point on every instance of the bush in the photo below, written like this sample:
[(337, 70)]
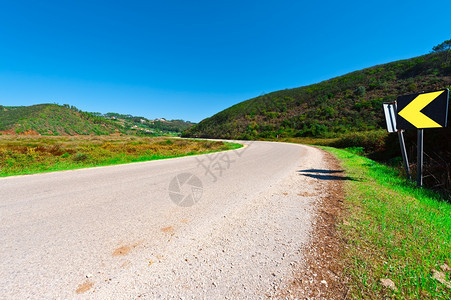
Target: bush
[(79, 157), (370, 141), (356, 150), (360, 91)]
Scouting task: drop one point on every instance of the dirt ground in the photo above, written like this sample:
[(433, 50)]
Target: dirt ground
[(322, 275)]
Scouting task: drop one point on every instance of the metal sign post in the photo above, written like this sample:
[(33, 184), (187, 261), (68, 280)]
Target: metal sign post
[(390, 118), (404, 153), (420, 158)]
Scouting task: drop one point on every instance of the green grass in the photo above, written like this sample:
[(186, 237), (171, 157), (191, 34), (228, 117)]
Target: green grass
[(394, 230), (33, 154)]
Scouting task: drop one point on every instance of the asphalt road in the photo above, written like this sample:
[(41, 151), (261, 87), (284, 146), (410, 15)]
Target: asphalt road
[(231, 224)]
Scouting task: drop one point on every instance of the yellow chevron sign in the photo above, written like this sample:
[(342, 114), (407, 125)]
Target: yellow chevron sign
[(412, 112), (424, 110)]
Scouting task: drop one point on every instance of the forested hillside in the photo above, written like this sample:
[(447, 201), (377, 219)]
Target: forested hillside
[(352, 102), (52, 119)]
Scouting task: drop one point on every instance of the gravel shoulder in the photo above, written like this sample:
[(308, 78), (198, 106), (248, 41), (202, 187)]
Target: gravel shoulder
[(322, 274)]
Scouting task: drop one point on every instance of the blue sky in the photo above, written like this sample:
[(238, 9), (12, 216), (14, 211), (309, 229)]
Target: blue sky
[(191, 59)]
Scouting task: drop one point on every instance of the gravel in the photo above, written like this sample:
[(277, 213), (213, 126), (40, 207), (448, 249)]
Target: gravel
[(114, 233)]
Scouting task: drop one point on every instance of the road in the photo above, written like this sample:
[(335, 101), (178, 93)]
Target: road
[(236, 228)]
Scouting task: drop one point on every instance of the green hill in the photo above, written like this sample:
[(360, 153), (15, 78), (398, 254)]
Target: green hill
[(142, 123), (54, 119), (352, 102)]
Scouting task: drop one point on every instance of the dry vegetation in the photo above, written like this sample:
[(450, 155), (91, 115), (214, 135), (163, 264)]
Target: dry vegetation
[(34, 154)]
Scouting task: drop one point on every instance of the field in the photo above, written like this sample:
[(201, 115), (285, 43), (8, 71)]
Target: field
[(36, 154), (393, 230)]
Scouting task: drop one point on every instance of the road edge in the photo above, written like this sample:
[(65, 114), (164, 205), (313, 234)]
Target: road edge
[(322, 275)]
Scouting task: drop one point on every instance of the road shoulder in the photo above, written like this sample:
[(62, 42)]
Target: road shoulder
[(321, 277)]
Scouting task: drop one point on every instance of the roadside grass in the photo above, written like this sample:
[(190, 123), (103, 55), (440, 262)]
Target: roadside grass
[(393, 230), (37, 154), (307, 140)]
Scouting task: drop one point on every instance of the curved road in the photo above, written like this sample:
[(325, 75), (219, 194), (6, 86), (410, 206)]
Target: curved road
[(228, 225)]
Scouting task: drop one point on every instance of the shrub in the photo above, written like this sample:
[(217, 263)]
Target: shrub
[(360, 91), (79, 157), (356, 150), (166, 142), (412, 87), (370, 141)]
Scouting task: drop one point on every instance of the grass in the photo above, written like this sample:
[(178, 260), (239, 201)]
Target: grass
[(36, 154), (307, 140), (384, 147), (393, 230)]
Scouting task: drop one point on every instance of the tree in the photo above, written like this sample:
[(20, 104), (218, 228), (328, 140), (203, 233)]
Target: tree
[(443, 47)]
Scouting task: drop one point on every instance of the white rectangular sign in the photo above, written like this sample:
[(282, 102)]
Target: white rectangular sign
[(390, 116)]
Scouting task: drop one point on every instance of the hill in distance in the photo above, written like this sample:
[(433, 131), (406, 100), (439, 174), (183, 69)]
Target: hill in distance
[(349, 103), (54, 119)]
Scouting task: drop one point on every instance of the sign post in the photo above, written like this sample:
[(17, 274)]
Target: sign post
[(404, 153), (420, 158), (390, 118), (421, 111)]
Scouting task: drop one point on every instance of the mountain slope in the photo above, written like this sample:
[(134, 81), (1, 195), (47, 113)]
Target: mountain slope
[(52, 119), (157, 125), (352, 102)]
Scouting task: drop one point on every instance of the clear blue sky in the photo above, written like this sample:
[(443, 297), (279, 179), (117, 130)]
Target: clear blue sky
[(190, 59)]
